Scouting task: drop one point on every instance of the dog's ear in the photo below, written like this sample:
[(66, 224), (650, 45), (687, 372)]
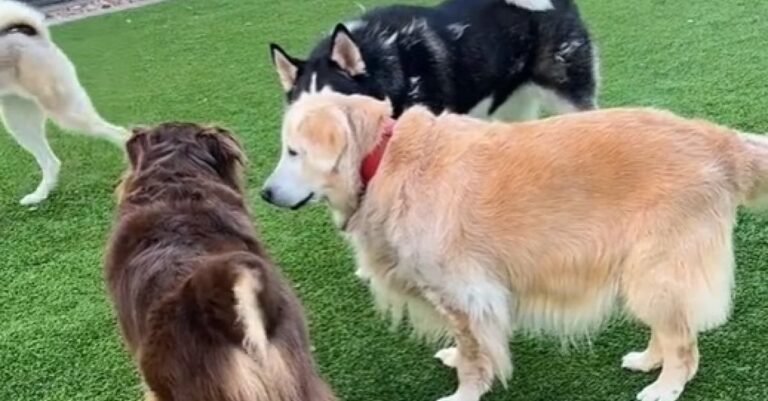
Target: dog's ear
[(287, 67), (137, 146), (345, 52), (366, 113), (226, 152)]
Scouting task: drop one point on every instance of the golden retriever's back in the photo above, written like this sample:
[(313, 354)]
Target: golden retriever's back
[(576, 164), (558, 206)]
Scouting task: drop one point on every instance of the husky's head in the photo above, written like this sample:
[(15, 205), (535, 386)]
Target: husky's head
[(336, 64)]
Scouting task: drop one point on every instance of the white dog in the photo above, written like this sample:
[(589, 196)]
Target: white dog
[(38, 81)]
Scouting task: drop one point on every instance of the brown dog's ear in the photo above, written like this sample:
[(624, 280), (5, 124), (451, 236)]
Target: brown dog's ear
[(137, 146), (345, 52), (226, 151), (287, 67)]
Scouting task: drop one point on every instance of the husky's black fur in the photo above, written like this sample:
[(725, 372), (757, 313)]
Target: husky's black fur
[(454, 55)]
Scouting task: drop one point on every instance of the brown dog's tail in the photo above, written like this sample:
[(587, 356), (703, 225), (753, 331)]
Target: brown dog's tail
[(227, 292)]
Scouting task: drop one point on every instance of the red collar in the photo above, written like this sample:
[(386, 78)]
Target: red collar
[(372, 160)]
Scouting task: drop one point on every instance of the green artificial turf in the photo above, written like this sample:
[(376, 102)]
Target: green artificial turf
[(208, 61)]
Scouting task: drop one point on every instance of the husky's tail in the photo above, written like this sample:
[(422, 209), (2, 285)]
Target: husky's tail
[(754, 171), (533, 5), (17, 17), (226, 291)]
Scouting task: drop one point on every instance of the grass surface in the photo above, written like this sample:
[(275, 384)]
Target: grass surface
[(207, 60)]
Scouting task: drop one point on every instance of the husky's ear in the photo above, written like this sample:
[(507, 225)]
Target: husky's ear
[(345, 52), (287, 67)]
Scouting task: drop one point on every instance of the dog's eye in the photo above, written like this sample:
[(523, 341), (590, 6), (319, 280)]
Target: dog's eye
[(292, 152)]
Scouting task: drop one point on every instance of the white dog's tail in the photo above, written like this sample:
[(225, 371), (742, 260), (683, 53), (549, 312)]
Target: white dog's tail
[(533, 5), (17, 17), (754, 174)]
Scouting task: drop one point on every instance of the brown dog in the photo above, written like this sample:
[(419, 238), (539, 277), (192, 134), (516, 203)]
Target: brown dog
[(201, 307), (482, 229)]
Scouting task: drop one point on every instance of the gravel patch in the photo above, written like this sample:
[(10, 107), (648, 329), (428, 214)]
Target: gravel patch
[(79, 9)]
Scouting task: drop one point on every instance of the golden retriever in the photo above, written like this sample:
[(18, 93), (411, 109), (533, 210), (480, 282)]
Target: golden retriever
[(483, 228)]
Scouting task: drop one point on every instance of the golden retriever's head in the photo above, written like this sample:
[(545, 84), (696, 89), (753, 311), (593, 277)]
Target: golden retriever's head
[(176, 150), (325, 137)]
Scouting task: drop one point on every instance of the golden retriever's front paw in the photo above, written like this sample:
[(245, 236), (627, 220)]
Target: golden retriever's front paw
[(640, 362), (363, 275), (459, 397), (448, 356)]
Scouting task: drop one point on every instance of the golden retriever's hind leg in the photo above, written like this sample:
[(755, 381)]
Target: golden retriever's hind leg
[(680, 363), (673, 340), (647, 360), (689, 293)]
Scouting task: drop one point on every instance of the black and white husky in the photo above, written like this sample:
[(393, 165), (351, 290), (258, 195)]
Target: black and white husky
[(501, 59)]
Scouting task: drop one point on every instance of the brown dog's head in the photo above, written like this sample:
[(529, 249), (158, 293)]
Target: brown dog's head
[(325, 137), (181, 150)]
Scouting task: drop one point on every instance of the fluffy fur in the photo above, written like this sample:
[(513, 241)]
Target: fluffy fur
[(202, 309), (37, 82), (490, 58), (489, 228)]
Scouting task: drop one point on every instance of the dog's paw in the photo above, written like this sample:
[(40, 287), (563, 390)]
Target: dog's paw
[(661, 392), (363, 275), (640, 362), (448, 356), (32, 199), (459, 397)]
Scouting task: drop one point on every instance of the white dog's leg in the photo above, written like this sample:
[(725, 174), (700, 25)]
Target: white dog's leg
[(80, 115), (26, 122)]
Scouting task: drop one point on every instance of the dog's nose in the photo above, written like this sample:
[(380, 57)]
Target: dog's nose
[(267, 194)]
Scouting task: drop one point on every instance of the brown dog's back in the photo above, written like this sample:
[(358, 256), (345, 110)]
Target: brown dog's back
[(202, 309)]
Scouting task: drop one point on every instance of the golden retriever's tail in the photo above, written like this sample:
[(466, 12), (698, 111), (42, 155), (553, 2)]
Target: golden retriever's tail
[(17, 17), (228, 292), (754, 183)]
